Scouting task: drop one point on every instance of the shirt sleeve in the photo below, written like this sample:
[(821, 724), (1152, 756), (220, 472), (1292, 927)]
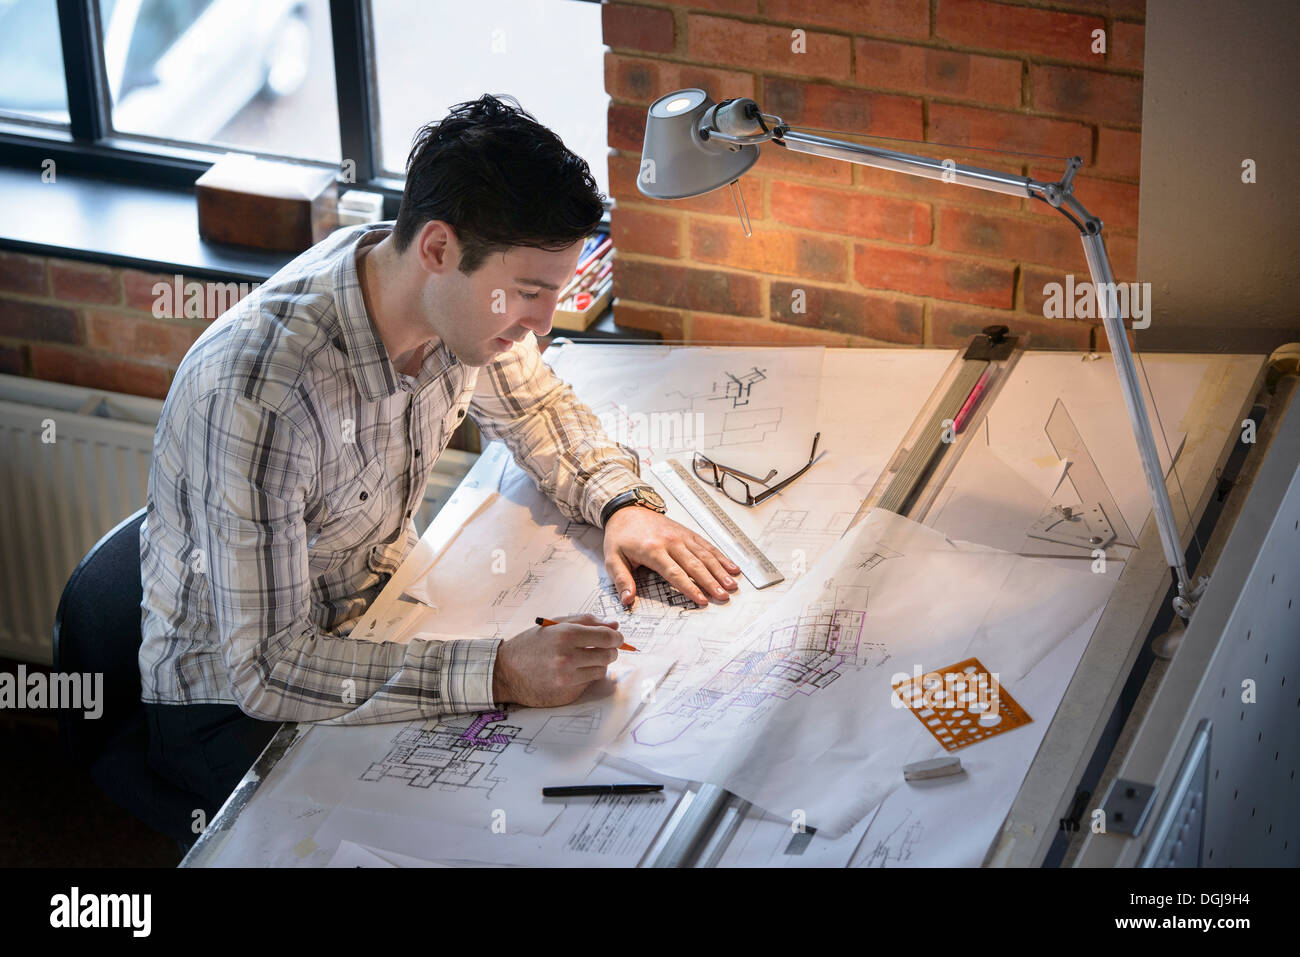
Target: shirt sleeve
[(554, 437), (254, 471)]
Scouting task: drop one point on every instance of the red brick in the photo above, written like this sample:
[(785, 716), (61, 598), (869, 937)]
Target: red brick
[(706, 329), (643, 81), (1027, 239), (1087, 94), (1116, 204), (642, 231), (934, 190), (899, 18), (1019, 30), (647, 29), (123, 334), (679, 287), (770, 250), (634, 315), (884, 318), (730, 42), (626, 127), (137, 288), (1035, 278), (23, 274), (749, 7), (992, 81), (954, 325), (1119, 152), (1127, 9), (854, 214), (1122, 251), (995, 130), (20, 319), (13, 360), (786, 162), (75, 282), (925, 273), (1127, 43), (99, 372), (837, 108)]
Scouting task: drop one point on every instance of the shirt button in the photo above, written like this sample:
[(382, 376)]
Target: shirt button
[(408, 514), (417, 453), (460, 413), (364, 496)]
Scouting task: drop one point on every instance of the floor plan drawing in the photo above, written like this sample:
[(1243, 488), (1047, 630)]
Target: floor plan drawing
[(795, 655), (461, 752), (656, 618), (458, 752), (737, 388)]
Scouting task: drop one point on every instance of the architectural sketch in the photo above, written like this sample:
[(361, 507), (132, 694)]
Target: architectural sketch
[(737, 388), (461, 752), (897, 846), (793, 539), (656, 618), (727, 413), (794, 655)]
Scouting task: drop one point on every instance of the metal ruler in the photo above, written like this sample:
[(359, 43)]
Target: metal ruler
[(725, 533)]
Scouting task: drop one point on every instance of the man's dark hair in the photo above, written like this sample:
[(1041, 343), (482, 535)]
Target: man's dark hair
[(500, 179)]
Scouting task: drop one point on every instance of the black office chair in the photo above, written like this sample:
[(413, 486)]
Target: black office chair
[(97, 630)]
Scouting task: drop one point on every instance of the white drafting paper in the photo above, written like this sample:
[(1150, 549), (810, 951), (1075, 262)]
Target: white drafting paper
[(751, 409), (801, 713), (594, 831), (762, 840), (951, 822), (470, 768), (271, 833), (358, 855)]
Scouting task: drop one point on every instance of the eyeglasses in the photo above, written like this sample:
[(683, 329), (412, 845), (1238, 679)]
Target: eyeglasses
[(732, 481)]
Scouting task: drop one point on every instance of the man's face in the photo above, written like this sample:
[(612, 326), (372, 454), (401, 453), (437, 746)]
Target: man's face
[(511, 294)]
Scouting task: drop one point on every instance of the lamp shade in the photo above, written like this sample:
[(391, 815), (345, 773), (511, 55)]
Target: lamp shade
[(676, 161)]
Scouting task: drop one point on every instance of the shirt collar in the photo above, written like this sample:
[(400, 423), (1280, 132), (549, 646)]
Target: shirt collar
[(372, 371)]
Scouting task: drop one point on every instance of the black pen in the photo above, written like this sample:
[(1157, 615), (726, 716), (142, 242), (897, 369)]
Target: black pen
[(580, 790)]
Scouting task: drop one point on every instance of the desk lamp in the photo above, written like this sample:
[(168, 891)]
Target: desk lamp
[(694, 145)]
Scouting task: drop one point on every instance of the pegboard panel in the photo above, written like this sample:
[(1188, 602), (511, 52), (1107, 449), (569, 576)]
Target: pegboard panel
[(1252, 696), (1238, 667)]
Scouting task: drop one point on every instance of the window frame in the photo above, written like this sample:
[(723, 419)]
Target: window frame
[(88, 145)]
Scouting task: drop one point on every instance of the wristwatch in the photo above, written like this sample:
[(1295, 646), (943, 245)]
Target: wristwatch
[(642, 495)]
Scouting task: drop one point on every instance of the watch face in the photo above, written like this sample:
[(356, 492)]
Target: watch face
[(652, 497)]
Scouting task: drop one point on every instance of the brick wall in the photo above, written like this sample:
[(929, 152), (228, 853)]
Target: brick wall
[(89, 325), (882, 257)]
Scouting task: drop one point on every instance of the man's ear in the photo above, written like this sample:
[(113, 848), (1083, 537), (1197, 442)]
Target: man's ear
[(437, 247)]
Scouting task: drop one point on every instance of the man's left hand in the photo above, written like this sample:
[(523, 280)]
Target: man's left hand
[(636, 536)]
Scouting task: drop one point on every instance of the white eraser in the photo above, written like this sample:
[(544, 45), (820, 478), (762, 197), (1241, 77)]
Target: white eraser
[(933, 768)]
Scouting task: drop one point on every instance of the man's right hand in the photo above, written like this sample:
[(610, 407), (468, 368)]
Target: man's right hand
[(548, 666)]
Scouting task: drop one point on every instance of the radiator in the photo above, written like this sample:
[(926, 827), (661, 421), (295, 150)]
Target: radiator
[(73, 463)]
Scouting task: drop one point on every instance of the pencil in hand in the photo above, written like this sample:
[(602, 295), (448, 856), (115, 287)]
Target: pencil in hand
[(546, 621)]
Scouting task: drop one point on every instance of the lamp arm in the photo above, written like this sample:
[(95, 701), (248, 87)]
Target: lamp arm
[(1060, 196)]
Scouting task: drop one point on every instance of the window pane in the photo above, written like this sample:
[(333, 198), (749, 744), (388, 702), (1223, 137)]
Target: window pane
[(31, 61), (547, 54), (254, 75)]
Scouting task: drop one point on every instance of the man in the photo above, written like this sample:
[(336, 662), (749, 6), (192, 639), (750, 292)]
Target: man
[(298, 436)]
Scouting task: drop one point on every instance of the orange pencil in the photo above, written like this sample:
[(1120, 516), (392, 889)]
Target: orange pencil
[(546, 621)]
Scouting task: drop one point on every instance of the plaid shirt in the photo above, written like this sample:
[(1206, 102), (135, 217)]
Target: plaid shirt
[(288, 462)]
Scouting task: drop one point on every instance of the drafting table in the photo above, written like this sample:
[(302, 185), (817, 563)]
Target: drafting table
[(1007, 451)]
